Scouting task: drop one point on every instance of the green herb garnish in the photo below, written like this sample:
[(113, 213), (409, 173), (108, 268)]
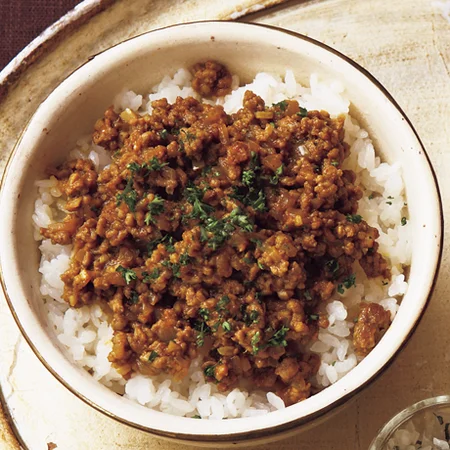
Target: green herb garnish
[(155, 207), (275, 178), (221, 229), (204, 313), (163, 134), (185, 259), (404, 221), (251, 318), (349, 281), (333, 266), (153, 275), (282, 105), (153, 356), (248, 177), (203, 330), (278, 339), (128, 274), (174, 267), (210, 371), (155, 164), (222, 303), (166, 240), (354, 218), (134, 297), (128, 195), (257, 242), (255, 340), (226, 326), (303, 112), (194, 195), (314, 316)]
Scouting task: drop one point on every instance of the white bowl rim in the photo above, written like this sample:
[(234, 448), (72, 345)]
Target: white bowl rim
[(242, 428)]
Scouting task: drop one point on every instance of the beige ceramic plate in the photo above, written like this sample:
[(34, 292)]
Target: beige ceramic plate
[(141, 62)]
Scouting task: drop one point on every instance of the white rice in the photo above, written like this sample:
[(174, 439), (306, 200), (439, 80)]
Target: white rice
[(85, 334), (424, 431)]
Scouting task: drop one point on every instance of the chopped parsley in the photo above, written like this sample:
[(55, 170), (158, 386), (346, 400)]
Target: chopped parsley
[(226, 326), (314, 316), (153, 275), (371, 196), (128, 196), (354, 218), (275, 178), (261, 266), (202, 331), (194, 195), (196, 417), (174, 267), (255, 340), (153, 356), (251, 317), (404, 221), (240, 219), (166, 240), (155, 164), (184, 259), (204, 313), (282, 105), (248, 177), (389, 203), (278, 339), (222, 303), (303, 112), (134, 167), (155, 207), (210, 371), (257, 242), (251, 194), (335, 163), (128, 274), (333, 266), (186, 137), (163, 134), (307, 295), (349, 281), (134, 297), (221, 229)]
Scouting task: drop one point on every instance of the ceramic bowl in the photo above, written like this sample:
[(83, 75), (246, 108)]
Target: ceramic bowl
[(71, 111)]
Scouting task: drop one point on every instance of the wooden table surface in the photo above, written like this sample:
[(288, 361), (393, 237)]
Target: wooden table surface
[(406, 45)]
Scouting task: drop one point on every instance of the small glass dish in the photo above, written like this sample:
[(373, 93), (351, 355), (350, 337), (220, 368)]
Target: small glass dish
[(424, 425)]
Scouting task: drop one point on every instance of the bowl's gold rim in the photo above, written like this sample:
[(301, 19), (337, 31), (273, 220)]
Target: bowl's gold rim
[(287, 426)]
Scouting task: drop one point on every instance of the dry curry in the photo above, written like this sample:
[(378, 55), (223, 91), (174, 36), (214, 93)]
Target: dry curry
[(218, 236)]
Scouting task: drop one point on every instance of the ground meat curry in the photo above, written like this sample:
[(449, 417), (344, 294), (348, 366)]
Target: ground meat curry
[(220, 236)]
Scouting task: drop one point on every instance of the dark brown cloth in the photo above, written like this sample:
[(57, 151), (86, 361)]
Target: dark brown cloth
[(22, 20)]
